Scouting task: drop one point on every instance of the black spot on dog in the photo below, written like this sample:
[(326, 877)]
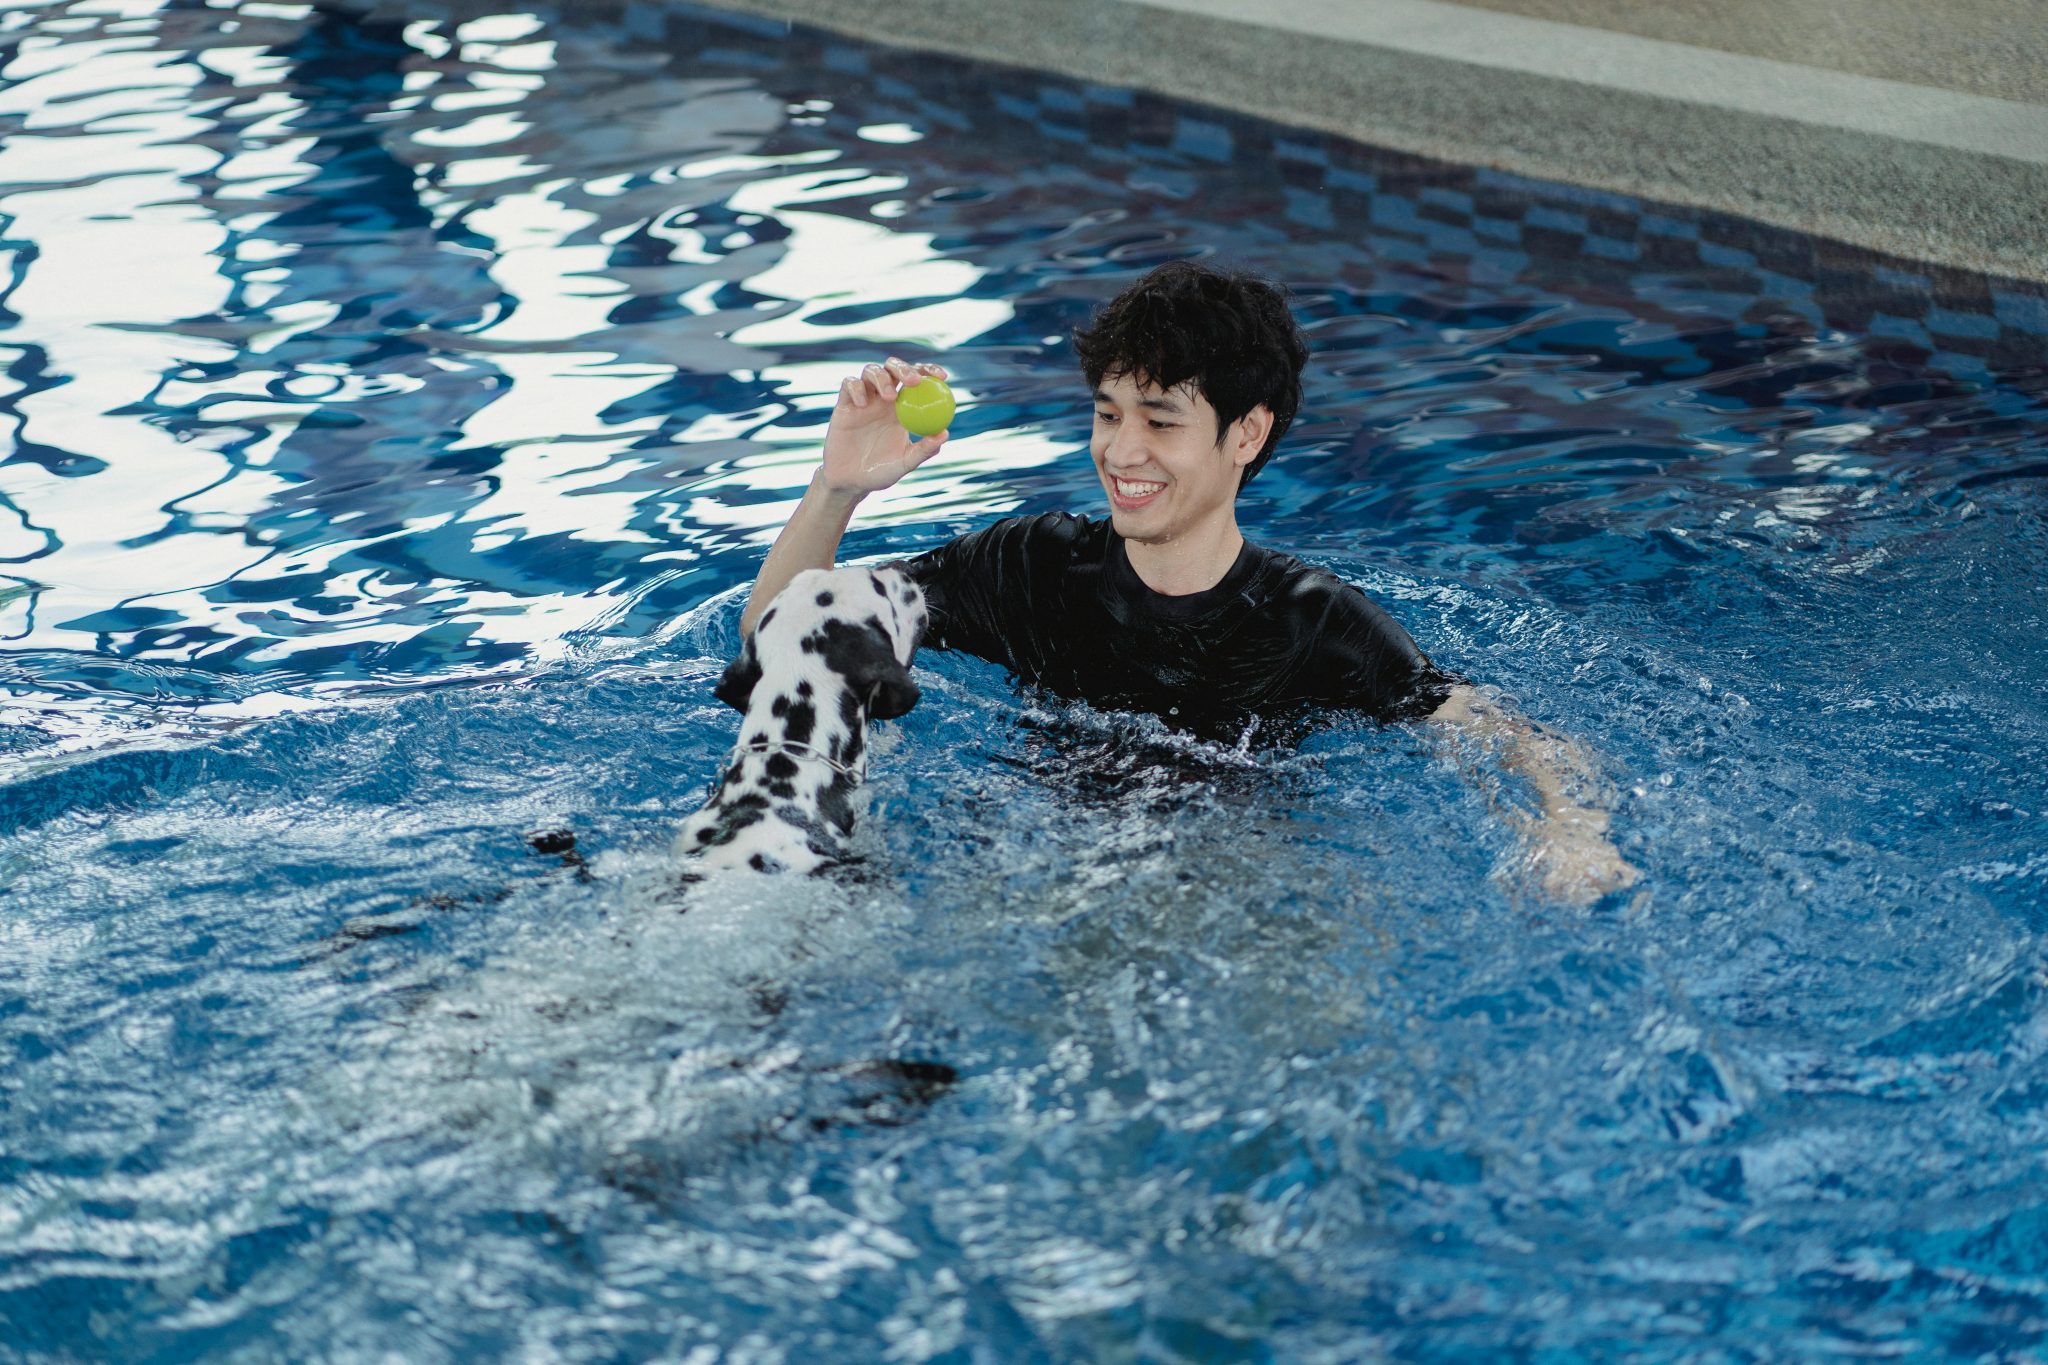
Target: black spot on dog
[(779, 707), (796, 817), (758, 862), (781, 765), (887, 1092), (366, 931), (730, 825), (800, 723), (766, 617), (876, 584), (752, 801), (849, 710), (704, 835), (927, 1078), (824, 599), (733, 774), (785, 790), (553, 839), (803, 688), (909, 596), (834, 806)]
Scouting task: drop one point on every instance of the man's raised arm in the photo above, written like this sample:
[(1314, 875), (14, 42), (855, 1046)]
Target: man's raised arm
[(866, 450)]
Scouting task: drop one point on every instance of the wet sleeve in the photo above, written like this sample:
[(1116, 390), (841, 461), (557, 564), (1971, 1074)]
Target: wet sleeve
[(1361, 657), (989, 593)]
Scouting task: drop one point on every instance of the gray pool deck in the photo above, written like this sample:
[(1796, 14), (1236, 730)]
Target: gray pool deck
[(1913, 130)]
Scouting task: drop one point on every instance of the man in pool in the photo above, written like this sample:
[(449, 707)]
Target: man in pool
[(1165, 607)]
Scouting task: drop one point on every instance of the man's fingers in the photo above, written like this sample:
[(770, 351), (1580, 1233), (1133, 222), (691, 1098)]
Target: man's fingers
[(1580, 868), (924, 449), (886, 379)]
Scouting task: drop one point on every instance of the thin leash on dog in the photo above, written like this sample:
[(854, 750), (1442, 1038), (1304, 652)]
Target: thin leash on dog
[(788, 746)]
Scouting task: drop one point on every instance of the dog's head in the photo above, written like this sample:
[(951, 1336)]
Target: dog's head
[(861, 625)]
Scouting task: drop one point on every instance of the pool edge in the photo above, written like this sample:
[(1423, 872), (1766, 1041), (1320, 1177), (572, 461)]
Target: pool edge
[(1908, 200)]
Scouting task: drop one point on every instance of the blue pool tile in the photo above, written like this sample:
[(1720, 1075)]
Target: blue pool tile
[(1309, 209), (1447, 198), (1543, 216), (1713, 253), (1907, 329), (1949, 322), (846, 60), (1062, 98), (1287, 149), (1612, 248), (1342, 178), (2028, 312), (1661, 226), (1199, 137), (1115, 96)]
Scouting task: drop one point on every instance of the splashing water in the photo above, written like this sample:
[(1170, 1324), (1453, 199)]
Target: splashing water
[(398, 405)]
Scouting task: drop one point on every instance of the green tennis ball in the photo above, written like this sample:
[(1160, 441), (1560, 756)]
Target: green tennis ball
[(926, 407)]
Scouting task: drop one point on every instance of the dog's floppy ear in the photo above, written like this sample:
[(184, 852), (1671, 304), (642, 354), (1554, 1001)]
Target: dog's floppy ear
[(736, 688), (893, 691), (862, 655)]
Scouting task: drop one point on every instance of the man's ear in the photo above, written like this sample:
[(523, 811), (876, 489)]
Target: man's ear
[(736, 687), (1249, 434)]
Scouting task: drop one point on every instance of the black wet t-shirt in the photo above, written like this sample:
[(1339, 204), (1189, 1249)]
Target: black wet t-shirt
[(1055, 600)]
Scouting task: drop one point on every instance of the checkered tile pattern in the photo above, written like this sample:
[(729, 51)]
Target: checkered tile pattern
[(1485, 225)]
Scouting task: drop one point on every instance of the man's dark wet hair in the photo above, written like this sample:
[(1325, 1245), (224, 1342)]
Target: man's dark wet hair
[(1227, 331)]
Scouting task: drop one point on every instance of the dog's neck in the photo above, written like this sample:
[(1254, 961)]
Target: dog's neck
[(830, 724), (796, 751)]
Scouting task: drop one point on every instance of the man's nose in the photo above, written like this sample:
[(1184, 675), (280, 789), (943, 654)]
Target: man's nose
[(1124, 449)]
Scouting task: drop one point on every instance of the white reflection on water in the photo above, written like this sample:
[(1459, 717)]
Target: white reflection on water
[(833, 262), (556, 486), (961, 481), (197, 318), (118, 256)]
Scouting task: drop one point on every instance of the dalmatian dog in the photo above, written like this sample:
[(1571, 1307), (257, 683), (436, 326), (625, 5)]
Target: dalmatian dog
[(830, 654)]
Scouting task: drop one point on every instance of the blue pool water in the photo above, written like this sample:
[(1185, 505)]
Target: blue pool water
[(397, 405)]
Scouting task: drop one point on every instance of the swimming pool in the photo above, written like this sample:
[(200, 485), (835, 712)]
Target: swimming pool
[(398, 408)]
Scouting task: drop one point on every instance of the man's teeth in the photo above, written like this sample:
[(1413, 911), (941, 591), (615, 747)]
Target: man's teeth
[(1137, 490)]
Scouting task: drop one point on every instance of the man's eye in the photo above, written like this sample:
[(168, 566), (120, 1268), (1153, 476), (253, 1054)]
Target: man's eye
[(1163, 426), (1105, 417)]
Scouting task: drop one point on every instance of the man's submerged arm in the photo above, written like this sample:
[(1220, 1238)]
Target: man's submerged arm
[(1574, 857)]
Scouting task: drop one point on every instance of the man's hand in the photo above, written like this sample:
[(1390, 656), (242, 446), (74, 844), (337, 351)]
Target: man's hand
[(866, 450), (1573, 858), (1569, 850)]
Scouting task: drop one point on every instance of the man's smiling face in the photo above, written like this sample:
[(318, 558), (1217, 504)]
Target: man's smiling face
[(1159, 459)]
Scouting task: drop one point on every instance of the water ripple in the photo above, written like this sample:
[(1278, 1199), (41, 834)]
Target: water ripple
[(396, 403)]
